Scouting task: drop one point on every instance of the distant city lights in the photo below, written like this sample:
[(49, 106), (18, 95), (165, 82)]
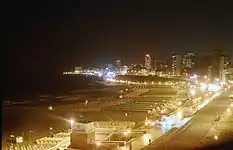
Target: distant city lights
[(194, 76), (213, 87), (203, 87), (110, 74)]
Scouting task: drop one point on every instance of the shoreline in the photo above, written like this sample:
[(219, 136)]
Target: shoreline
[(73, 96)]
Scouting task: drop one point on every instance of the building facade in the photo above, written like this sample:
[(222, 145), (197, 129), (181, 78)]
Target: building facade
[(230, 72), (215, 71), (188, 61), (176, 64), (154, 64), (223, 68), (118, 64), (148, 62)]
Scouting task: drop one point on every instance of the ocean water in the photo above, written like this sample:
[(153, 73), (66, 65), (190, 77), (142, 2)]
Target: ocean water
[(32, 88)]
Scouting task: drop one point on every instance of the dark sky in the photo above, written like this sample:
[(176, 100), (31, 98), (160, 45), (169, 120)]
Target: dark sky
[(43, 36)]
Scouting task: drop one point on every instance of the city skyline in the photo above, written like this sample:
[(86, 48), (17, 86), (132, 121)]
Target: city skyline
[(117, 75), (55, 37)]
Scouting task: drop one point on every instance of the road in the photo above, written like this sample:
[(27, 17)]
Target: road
[(200, 124), (142, 141)]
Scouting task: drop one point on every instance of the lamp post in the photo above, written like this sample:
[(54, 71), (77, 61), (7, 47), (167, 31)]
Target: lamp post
[(30, 134), (98, 144), (51, 131), (71, 121), (12, 137)]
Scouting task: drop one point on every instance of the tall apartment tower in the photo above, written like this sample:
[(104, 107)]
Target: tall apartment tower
[(188, 60), (209, 72), (215, 71), (223, 63), (176, 64), (148, 62), (154, 64), (118, 64)]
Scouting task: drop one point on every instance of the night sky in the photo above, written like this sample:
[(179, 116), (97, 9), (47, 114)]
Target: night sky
[(47, 37)]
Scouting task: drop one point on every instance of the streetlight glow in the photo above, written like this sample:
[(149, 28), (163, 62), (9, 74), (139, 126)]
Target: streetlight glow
[(128, 131), (193, 92), (216, 137), (203, 87), (125, 133), (231, 104), (50, 108), (98, 143), (86, 102), (146, 138), (71, 121)]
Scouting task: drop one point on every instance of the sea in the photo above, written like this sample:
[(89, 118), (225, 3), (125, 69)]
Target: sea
[(35, 88)]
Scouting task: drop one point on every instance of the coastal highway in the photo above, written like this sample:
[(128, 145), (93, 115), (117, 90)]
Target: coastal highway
[(193, 133)]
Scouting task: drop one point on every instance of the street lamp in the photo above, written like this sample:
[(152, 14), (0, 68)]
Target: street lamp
[(203, 87), (86, 102), (30, 134), (98, 143), (128, 131), (146, 139), (193, 92), (231, 104), (216, 137), (71, 121), (50, 108), (51, 131), (125, 133), (12, 137), (179, 103)]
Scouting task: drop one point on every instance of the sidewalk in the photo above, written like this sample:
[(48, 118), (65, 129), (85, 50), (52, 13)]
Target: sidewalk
[(213, 136)]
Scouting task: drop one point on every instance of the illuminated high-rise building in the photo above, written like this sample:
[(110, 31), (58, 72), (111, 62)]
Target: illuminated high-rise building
[(230, 72), (209, 72), (215, 71), (223, 67), (124, 70), (176, 63), (154, 66), (78, 69), (148, 62), (188, 60), (220, 64), (118, 64)]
